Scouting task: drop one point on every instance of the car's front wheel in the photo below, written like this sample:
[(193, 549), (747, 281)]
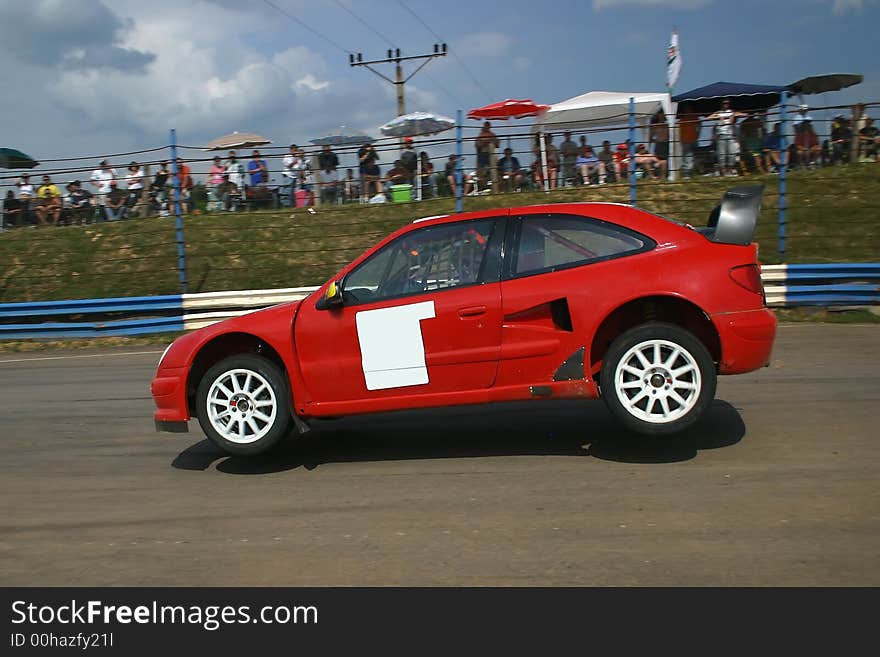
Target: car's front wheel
[(657, 378), (242, 405)]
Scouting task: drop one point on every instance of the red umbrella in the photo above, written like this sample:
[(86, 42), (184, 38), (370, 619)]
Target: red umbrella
[(508, 109)]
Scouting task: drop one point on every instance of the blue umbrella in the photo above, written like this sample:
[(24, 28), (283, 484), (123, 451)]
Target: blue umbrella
[(341, 138), (417, 123)]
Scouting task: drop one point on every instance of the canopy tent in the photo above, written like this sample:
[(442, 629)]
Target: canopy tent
[(601, 109), (706, 100)]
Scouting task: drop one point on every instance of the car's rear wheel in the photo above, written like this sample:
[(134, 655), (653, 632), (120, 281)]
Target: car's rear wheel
[(242, 405), (657, 378)]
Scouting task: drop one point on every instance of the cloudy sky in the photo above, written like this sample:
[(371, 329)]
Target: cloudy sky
[(88, 77)]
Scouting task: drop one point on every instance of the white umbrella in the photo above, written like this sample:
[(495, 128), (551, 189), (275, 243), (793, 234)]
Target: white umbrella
[(237, 140), (417, 123)]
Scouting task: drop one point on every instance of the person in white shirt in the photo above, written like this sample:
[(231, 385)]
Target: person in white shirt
[(134, 182), (291, 163), (100, 179), (235, 171), (726, 146), (25, 195)]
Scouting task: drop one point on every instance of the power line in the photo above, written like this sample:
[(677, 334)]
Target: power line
[(365, 24), (305, 26), (454, 54)]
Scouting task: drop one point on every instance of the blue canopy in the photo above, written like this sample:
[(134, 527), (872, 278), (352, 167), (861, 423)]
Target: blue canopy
[(742, 96)]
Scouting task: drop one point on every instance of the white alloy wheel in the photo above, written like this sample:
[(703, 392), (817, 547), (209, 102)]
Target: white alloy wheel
[(241, 406), (657, 381)]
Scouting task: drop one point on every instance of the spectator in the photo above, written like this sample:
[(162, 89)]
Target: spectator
[(725, 133), (751, 137), (114, 203), (801, 116), (258, 171), (306, 177), (621, 161), (651, 165), (398, 174), (229, 193), (369, 169), (48, 202), (134, 183), (81, 208), (659, 136), (327, 159), (184, 177), (351, 187), (329, 183), (589, 164), (774, 149), (409, 159), (25, 196), (869, 140), (449, 172), (570, 152), (101, 178), (510, 171), (11, 210), (689, 135), (841, 139), (215, 179), (291, 169), (606, 157), (158, 191), (486, 142), (235, 170), (552, 160), (427, 180), (809, 152)]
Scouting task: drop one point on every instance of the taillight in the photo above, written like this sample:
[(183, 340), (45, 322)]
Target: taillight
[(749, 277)]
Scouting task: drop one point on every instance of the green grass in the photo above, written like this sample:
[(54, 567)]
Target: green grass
[(832, 217)]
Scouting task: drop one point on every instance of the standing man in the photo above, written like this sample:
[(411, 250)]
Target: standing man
[(689, 134), (409, 158), (725, 145), (258, 170), (100, 179), (290, 171), (235, 170), (569, 152), (486, 142)]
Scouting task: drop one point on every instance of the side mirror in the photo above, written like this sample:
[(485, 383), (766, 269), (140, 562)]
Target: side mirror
[(332, 297)]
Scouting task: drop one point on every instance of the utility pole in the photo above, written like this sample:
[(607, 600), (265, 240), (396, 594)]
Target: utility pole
[(395, 58)]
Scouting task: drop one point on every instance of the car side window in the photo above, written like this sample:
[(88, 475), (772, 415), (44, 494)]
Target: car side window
[(556, 241), (433, 258)]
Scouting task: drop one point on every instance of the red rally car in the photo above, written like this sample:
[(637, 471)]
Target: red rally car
[(578, 300)]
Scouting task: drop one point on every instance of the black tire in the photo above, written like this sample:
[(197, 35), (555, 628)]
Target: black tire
[(246, 433), (649, 403)]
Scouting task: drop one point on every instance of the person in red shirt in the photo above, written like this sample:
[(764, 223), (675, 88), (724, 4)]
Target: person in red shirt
[(807, 143), (186, 183)]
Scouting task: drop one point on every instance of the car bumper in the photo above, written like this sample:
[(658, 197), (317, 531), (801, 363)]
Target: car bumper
[(746, 340), (169, 394)]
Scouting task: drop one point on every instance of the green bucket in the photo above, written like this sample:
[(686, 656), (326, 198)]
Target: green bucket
[(401, 193)]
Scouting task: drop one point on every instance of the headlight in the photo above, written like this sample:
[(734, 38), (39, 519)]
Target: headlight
[(162, 357)]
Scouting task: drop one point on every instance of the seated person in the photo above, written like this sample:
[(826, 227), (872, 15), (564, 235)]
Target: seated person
[(449, 172), (510, 171), (773, 149), (809, 151), (81, 203), (48, 202), (589, 165), (652, 165), (351, 186), (869, 140), (11, 210), (841, 139), (606, 157), (229, 194), (621, 161), (398, 174), (114, 203), (328, 182)]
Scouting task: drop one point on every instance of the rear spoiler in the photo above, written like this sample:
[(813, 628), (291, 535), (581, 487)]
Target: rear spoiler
[(733, 221)]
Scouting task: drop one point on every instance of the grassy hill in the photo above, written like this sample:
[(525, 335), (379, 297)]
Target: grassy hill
[(832, 217)]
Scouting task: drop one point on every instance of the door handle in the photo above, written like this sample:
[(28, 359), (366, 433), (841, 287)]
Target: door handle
[(471, 311)]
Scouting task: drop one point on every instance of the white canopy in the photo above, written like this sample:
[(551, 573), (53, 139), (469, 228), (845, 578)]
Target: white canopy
[(606, 109)]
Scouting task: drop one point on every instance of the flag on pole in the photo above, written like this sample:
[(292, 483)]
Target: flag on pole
[(673, 61)]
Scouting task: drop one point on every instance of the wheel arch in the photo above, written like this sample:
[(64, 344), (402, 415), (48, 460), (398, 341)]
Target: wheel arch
[(661, 308), (223, 346)]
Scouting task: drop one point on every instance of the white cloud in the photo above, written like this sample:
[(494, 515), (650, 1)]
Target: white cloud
[(599, 5), (845, 6), (484, 44)]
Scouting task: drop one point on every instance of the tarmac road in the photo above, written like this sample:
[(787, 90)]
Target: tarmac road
[(778, 485)]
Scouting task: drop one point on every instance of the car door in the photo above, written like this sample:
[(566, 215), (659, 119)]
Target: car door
[(420, 317)]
